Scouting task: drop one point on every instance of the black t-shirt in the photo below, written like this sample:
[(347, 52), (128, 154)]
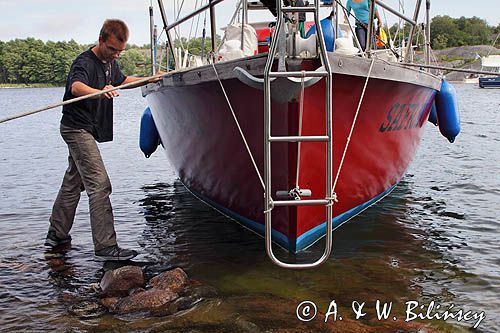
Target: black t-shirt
[(93, 115)]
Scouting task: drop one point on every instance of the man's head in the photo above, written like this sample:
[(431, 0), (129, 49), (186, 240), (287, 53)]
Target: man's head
[(112, 39)]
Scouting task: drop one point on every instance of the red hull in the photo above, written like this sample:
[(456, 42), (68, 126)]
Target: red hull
[(202, 142)]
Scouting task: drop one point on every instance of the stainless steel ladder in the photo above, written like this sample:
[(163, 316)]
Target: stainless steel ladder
[(269, 139)]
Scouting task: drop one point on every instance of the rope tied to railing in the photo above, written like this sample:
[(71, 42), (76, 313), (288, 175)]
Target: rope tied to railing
[(352, 128)]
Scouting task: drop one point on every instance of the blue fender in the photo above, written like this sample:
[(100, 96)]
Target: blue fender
[(433, 117), (328, 33), (149, 139), (447, 111)]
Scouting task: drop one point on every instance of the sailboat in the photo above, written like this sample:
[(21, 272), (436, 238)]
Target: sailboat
[(492, 63), (297, 136)]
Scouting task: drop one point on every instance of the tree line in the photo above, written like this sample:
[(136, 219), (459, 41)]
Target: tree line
[(30, 60), (451, 32)]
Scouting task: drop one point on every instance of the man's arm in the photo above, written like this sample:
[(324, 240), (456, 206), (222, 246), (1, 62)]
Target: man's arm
[(130, 79), (81, 89)]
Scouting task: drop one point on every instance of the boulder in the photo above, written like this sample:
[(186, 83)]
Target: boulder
[(173, 280), (152, 300), (118, 282)]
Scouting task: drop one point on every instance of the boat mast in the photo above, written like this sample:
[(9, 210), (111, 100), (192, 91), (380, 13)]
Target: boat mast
[(428, 32), (369, 35), (151, 33), (244, 20), (212, 28)]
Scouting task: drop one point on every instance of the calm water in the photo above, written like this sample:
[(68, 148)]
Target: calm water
[(435, 238)]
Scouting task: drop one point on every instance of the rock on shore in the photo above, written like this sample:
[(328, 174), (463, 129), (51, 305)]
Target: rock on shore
[(466, 57), (124, 290)]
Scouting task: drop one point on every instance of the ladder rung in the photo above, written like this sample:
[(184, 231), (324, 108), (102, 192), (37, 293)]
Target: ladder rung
[(309, 9), (318, 202), (299, 138), (299, 74)]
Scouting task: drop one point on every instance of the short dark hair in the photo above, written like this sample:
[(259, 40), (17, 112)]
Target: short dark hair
[(114, 27)]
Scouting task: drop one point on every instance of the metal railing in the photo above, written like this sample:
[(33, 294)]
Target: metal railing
[(411, 21)]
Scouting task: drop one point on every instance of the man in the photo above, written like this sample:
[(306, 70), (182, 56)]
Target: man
[(82, 124)]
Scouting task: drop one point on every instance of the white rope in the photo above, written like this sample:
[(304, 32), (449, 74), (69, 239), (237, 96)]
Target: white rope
[(192, 24), (239, 127), (493, 45), (177, 28), (180, 9), (352, 128)]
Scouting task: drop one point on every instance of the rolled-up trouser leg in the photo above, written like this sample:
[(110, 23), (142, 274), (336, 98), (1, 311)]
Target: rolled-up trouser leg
[(88, 161)]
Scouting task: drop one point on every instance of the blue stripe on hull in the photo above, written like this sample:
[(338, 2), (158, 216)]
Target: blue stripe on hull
[(306, 239), (312, 236)]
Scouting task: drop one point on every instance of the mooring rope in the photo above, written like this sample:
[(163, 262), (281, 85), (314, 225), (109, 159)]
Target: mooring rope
[(239, 127), (81, 98), (352, 129)]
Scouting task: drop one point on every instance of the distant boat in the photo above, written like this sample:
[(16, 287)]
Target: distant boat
[(491, 62), (323, 150), (471, 80)]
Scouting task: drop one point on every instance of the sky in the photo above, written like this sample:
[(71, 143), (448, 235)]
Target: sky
[(62, 20)]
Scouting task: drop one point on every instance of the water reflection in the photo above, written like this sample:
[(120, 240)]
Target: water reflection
[(382, 254), (182, 231)]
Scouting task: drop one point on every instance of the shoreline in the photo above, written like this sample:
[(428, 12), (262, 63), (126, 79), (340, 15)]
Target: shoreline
[(30, 85)]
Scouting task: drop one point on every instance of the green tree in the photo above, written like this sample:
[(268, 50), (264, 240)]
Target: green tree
[(2, 66), (134, 62), (440, 42), (449, 32)]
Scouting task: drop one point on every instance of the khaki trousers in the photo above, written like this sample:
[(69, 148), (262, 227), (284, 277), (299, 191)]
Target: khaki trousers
[(85, 171)]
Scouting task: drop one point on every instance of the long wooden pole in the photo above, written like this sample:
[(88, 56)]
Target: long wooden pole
[(81, 98), (451, 69)]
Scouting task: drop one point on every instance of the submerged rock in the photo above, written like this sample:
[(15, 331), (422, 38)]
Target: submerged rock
[(179, 304), (87, 310), (244, 325), (118, 282), (165, 294), (202, 292), (174, 280), (150, 300), (109, 302)]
